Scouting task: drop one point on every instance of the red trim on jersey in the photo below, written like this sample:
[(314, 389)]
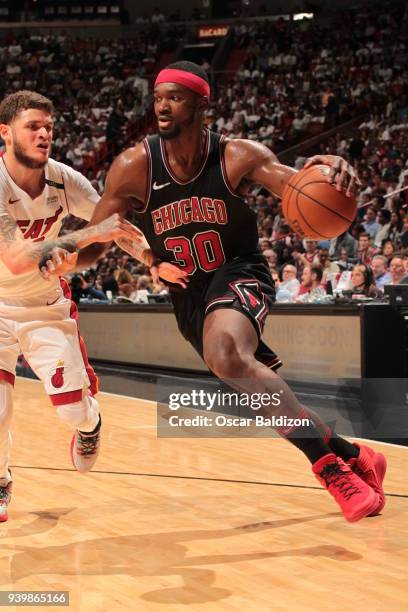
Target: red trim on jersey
[(261, 316), (274, 364), (93, 379), (69, 397), (195, 177), (149, 175), (8, 377), (220, 300), (223, 142), (65, 192)]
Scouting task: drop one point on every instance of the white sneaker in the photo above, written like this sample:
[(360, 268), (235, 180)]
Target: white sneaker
[(85, 448), (6, 486)]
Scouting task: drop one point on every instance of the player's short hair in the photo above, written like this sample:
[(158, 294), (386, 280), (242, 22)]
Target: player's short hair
[(365, 235), (189, 67), (15, 103)]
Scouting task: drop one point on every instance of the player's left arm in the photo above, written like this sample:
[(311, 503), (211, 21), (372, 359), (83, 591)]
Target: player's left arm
[(254, 162)]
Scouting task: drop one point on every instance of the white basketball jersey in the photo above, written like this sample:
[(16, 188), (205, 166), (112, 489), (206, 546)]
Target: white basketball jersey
[(66, 192)]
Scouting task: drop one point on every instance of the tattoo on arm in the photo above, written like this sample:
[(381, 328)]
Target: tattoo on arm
[(8, 230), (42, 252)]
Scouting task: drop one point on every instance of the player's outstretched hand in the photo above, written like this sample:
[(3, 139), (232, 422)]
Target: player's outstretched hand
[(342, 174), (116, 227), (58, 261), (170, 273)]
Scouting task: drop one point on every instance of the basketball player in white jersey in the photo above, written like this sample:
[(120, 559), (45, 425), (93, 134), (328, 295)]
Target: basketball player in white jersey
[(37, 317)]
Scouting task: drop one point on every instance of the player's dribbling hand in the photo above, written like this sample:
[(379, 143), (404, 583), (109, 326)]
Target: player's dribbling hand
[(342, 174), (169, 273), (58, 262)]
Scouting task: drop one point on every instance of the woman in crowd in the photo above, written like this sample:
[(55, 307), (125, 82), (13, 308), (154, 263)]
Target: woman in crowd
[(388, 250), (362, 280)]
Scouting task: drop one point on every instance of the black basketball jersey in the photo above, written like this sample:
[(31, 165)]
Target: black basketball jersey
[(198, 224)]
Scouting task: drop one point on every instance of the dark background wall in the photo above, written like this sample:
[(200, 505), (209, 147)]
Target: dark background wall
[(252, 7)]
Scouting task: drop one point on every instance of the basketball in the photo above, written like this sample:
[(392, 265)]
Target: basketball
[(314, 208)]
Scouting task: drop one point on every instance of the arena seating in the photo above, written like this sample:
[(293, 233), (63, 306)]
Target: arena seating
[(296, 80)]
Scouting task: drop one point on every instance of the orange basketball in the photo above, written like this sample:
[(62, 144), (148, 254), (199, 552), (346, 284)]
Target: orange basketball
[(314, 208)]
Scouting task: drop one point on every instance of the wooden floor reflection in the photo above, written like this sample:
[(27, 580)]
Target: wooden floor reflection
[(190, 524)]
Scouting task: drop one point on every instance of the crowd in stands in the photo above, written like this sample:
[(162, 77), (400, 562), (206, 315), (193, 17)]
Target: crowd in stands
[(372, 253), (290, 74), (295, 75), (99, 88), (300, 77), (376, 245)]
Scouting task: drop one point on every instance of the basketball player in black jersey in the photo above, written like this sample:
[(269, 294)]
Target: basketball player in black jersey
[(188, 186)]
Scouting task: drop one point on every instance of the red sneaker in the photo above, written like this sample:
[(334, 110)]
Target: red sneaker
[(355, 498), (371, 467)]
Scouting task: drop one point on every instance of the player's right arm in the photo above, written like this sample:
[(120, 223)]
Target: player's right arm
[(125, 189), (21, 256)]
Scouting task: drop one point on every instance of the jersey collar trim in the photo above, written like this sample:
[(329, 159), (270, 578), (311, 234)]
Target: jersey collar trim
[(207, 143)]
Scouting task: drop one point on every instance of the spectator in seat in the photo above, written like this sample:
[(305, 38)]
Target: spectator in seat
[(397, 271), (210, 120), (289, 287), (272, 259), (379, 266), (362, 281), (406, 263), (384, 219), (370, 223), (110, 282), (122, 272), (366, 251), (404, 280), (125, 292), (356, 147), (91, 290), (388, 250), (114, 127), (404, 235), (344, 262), (396, 228), (78, 286), (157, 16), (310, 253), (264, 244), (311, 282), (329, 267), (356, 231), (344, 241)]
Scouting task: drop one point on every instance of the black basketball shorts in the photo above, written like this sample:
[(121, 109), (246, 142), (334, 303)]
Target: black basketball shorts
[(244, 284)]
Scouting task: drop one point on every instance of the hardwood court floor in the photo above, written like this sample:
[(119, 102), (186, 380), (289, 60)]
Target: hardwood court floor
[(190, 524)]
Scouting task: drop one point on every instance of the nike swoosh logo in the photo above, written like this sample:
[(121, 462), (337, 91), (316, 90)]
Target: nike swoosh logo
[(51, 303), (156, 186), (13, 201)]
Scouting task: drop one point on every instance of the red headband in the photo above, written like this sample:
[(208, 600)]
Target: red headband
[(187, 79)]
